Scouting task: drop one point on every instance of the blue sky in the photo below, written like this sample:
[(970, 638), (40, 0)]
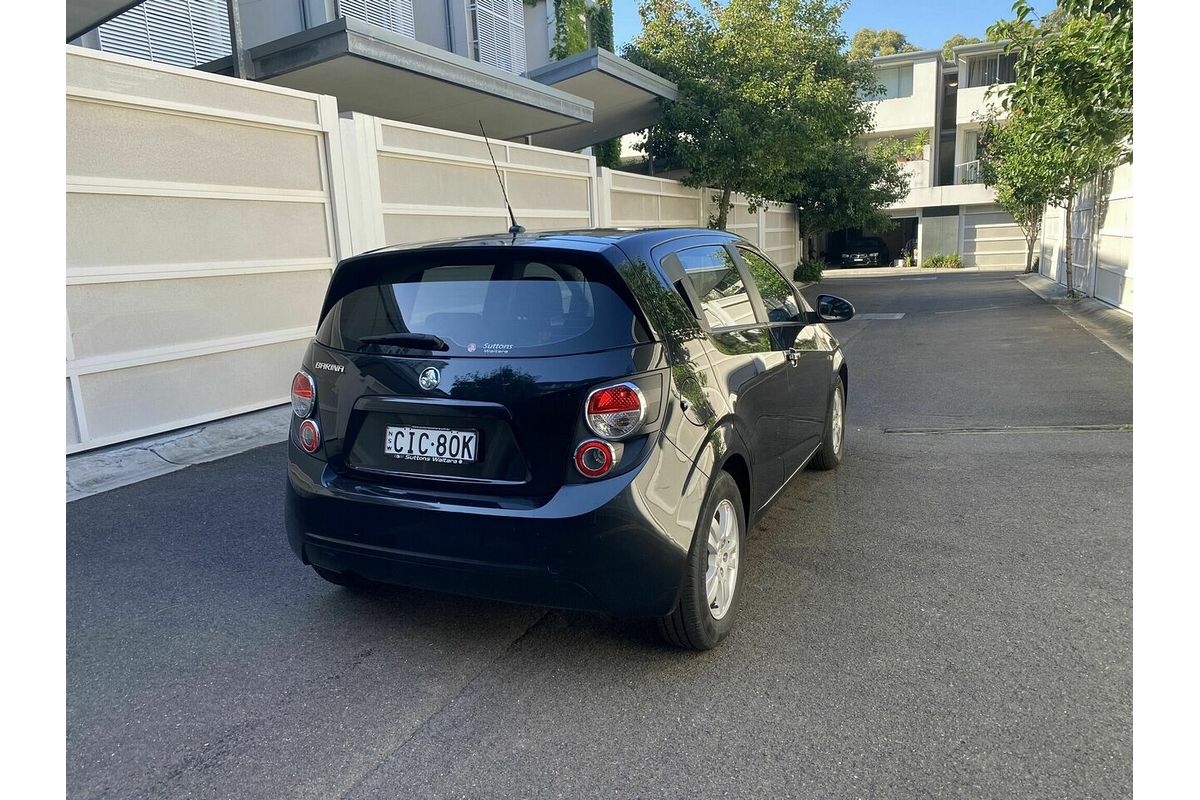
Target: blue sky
[(927, 23)]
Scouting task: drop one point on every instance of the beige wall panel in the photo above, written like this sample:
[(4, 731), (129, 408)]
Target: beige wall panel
[(117, 229), (553, 223), (148, 83), (1111, 287), (128, 402), (114, 318), (106, 141), (550, 159), (548, 192), (1115, 251), (631, 208), (1013, 260), (974, 230), (684, 209), (992, 246), (405, 228), (437, 183), (72, 421), (1122, 180), (1117, 215), (433, 142)]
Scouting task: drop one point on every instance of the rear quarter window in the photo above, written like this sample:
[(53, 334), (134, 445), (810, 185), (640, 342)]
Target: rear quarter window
[(486, 306)]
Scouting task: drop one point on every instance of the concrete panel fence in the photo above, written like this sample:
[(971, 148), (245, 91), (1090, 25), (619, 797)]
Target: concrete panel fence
[(200, 236), (205, 214), (1102, 233)]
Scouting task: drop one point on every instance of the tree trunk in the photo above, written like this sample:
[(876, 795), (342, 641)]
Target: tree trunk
[(723, 208), (1069, 248), (1035, 230)]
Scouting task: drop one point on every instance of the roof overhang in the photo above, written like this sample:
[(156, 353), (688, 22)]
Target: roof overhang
[(979, 48), (83, 15), (374, 71), (626, 97), (904, 58)]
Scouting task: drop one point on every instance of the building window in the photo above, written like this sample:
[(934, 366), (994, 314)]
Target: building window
[(499, 33), (987, 70), (896, 81), (180, 32), (392, 15)]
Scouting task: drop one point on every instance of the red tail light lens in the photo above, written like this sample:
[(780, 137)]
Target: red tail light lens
[(309, 435), (615, 412), (304, 394), (594, 458)]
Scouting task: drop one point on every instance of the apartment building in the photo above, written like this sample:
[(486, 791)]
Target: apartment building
[(947, 209), (446, 64)]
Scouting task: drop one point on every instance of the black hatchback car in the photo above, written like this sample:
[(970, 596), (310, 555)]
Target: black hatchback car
[(588, 420)]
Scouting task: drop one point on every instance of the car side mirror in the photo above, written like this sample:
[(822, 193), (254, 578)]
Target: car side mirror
[(831, 308)]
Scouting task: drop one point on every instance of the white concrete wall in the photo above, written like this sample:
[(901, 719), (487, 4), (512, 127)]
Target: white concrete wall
[(1102, 233), (974, 102), (200, 235), (638, 201), (205, 214), (412, 183), (991, 239), (918, 112)]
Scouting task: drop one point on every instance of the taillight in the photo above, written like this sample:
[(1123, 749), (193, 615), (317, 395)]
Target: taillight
[(615, 412), (594, 458), (309, 435), (304, 394)]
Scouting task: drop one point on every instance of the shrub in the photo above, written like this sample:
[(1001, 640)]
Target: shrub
[(942, 261), (809, 271)]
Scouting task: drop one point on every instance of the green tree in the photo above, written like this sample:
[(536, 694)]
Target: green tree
[(764, 86), (1075, 85), (848, 185), (1023, 173), (957, 40), (868, 43)]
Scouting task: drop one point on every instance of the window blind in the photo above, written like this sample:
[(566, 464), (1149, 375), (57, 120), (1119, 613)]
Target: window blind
[(393, 15), (500, 33), (180, 32)]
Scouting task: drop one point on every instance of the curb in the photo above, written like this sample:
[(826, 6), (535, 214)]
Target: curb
[(1112, 326), (99, 471), (834, 273)]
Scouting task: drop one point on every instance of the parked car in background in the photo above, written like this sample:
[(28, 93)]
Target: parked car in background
[(868, 251), (551, 418)]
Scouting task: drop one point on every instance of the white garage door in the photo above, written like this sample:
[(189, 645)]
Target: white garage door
[(991, 239)]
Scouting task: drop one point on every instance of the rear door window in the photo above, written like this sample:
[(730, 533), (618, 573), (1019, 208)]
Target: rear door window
[(718, 284), (485, 307), (777, 294)]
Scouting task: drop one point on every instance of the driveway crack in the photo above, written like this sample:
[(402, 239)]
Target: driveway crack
[(444, 707)]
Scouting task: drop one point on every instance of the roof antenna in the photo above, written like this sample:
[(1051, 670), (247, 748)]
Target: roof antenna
[(515, 228)]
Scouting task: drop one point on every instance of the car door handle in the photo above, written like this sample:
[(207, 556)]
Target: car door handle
[(793, 356)]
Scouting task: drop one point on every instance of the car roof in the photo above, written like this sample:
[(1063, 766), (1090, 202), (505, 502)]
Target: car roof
[(590, 240)]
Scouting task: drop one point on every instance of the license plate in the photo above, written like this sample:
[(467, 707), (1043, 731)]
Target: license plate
[(439, 445)]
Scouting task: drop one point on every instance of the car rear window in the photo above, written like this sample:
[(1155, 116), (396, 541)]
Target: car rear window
[(485, 307)]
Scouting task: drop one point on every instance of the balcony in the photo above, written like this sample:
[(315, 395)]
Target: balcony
[(917, 172), (967, 173)]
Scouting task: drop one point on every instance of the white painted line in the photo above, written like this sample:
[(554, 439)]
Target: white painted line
[(878, 316)]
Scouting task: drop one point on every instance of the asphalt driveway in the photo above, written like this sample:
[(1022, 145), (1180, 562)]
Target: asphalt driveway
[(947, 615)]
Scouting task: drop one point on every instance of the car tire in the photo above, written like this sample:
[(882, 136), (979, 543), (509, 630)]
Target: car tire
[(338, 578), (700, 622), (833, 442)]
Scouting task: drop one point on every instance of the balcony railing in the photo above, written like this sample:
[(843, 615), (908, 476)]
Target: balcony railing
[(967, 173)]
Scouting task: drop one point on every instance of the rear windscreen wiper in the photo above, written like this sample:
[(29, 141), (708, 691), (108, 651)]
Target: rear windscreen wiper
[(417, 341)]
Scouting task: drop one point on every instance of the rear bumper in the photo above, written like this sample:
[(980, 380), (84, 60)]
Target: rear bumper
[(591, 547)]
